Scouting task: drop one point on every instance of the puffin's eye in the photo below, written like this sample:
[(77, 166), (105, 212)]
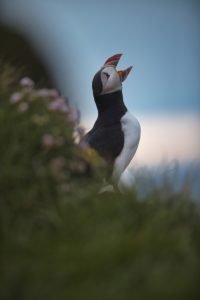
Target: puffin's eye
[(107, 75)]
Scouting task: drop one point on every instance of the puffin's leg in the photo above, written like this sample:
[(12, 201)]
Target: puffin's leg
[(108, 188)]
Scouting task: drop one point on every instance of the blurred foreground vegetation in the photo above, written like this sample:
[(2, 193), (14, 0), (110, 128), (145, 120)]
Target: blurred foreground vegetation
[(59, 238)]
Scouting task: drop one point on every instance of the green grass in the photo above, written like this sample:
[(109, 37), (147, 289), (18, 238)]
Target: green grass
[(60, 239)]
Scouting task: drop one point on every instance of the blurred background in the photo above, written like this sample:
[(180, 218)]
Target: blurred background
[(60, 238), (63, 43)]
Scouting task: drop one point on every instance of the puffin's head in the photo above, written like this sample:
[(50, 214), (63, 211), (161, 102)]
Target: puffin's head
[(108, 80)]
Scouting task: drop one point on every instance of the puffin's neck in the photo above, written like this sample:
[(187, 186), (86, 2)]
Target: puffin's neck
[(111, 105)]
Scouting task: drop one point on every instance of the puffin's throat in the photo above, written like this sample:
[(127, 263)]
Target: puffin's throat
[(111, 105)]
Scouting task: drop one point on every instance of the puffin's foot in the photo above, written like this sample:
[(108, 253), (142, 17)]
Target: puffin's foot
[(108, 188)]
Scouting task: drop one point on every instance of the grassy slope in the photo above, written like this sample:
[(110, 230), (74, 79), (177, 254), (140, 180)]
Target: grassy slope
[(60, 239)]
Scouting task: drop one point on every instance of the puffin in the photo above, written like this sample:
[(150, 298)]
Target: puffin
[(116, 132)]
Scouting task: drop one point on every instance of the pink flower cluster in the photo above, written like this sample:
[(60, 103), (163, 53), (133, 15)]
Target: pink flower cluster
[(26, 82), (56, 102), (16, 97), (59, 104), (57, 166), (48, 140)]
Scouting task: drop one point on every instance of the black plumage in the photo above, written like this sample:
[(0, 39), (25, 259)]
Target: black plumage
[(106, 136)]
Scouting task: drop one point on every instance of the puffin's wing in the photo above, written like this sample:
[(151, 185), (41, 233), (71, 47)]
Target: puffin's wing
[(108, 141)]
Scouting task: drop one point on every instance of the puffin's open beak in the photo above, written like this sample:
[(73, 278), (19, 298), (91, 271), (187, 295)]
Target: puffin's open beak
[(113, 60), (123, 74)]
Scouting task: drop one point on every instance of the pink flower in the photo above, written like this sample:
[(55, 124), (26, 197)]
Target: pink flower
[(48, 140), (53, 93), (16, 97), (83, 144), (75, 116), (58, 104), (56, 165), (26, 82), (23, 106), (54, 105)]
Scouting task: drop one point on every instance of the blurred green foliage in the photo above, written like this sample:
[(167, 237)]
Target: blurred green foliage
[(59, 238)]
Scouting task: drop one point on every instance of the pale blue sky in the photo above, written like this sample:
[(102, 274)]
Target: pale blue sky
[(161, 39)]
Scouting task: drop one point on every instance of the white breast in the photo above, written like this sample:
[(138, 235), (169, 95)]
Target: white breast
[(131, 129)]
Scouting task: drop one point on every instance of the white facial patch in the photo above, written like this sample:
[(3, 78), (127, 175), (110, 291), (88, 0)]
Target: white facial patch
[(110, 80)]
